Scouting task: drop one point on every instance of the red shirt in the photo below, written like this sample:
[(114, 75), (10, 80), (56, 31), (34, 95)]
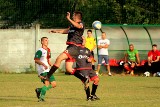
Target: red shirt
[(153, 54)]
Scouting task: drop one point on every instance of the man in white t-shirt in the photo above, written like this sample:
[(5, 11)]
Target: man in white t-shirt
[(103, 45), (42, 60)]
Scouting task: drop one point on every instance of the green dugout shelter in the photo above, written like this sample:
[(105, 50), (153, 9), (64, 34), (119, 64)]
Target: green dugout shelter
[(120, 36)]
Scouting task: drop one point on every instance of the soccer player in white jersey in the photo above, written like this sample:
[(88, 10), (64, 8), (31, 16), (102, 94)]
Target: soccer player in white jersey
[(103, 45), (42, 60)]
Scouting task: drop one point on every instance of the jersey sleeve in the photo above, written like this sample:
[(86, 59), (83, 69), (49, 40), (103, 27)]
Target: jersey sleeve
[(38, 54), (149, 54), (136, 51), (158, 53), (108, 43), (127, 52)]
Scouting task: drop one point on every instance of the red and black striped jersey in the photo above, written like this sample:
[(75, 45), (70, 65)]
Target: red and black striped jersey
[(82, 59), (75, 35)]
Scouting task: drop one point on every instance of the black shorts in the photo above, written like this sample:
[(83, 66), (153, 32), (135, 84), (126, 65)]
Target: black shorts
[(72, 52), (89, 73)]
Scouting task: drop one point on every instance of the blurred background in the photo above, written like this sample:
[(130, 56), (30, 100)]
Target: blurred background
[(52, 13)]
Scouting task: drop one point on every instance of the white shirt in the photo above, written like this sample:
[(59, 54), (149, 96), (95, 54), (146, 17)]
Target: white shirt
[(103, 42), (41, 54)]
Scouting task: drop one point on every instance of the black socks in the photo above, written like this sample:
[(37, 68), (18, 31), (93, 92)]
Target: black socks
[(52, 70)]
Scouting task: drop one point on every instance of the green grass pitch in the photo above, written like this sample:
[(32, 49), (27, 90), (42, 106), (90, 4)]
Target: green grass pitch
[(17, 90)]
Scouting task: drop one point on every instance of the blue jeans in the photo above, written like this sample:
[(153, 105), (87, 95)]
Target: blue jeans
[(101, 57)]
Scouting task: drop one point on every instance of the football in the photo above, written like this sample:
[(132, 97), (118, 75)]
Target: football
[(147, 74), (97, 25)]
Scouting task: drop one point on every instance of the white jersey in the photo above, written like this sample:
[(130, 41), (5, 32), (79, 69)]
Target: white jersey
[(43, 55), (103, 42)]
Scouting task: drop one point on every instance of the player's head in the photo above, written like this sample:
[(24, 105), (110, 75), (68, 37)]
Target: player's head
[(131, 47), (154, 47), (103, 36), (89, 33), (44, 41), (77, 15)]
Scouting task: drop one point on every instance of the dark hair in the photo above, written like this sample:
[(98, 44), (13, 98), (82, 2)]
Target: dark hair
[(43, 38), (154, 45), (104, 32), (89, 30), (79, 13)]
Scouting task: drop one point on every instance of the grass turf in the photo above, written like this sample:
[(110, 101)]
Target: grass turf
[(17, 90)]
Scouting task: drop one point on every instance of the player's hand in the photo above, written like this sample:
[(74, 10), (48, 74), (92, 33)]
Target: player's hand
[(138, 64), (45, 67), (89, 60), (68, 15), (100, 47), (153, 61), (52, 31), (149, 64), (41, 77)]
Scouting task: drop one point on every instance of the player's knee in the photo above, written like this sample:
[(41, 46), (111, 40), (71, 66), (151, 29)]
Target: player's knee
[(69, 69), (53, 84), (132, 66), (96, 81), (127, 67)]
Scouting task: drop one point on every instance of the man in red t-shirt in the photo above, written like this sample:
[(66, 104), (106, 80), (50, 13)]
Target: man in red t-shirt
[(153, 60)]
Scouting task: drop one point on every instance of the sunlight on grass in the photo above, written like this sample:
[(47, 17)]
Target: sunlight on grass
[(17, 90)]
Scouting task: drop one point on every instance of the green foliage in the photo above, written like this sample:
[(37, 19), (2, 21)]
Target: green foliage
[(52, 13)]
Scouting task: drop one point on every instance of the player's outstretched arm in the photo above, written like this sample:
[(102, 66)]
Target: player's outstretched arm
[(63, 31)]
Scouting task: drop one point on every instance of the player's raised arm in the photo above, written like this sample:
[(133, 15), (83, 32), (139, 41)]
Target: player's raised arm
[(76, 20)]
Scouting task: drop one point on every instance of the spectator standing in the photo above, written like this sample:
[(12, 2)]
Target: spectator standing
[(103, 45), (90, 43)]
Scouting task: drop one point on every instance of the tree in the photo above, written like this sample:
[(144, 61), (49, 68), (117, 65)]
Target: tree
[(52, 13)]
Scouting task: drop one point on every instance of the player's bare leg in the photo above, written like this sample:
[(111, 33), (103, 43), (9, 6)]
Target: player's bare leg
[(69, 67), (126, 66), (108, 69), (98, 68), (132, 67), (57, 63)]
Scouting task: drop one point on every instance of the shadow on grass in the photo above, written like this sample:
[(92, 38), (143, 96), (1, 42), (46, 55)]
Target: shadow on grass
[(27, 98), (16, 98), (153, 87)]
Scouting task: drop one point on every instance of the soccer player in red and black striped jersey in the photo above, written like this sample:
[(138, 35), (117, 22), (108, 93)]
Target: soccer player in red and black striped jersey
[(84, 67), (74, 41)]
